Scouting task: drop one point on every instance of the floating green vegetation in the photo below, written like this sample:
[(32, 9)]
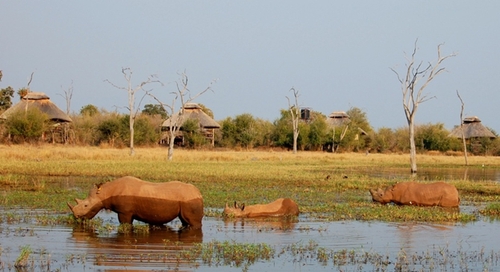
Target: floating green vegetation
[(492, 209), (394, 213), (218, 253)]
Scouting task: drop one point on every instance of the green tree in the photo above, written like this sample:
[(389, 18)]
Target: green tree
[(146, 133), (228, 133), (359, 126), (192, 134), (245, 130), (155, 109), (318, 128), (263, 133), (206, 110), (384, 140), (6, 96), (432, 137), (282, 134), (27, 126), (241, 131), (89, 110), (110, 131)]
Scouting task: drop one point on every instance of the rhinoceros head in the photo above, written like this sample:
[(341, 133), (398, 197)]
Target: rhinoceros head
[(381, 196), (235, 211), (89, 207)]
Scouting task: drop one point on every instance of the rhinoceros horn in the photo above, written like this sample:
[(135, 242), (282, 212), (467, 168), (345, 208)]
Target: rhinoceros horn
[(72, 206)]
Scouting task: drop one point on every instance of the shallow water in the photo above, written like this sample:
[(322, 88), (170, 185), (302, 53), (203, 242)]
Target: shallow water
[(365, 246)]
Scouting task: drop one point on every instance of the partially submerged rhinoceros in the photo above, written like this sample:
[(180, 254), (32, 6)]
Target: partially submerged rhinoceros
[(152, 203), (280, 207), (418, 194)]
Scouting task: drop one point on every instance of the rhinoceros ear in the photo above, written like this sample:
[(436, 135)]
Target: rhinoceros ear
[(242, 206)]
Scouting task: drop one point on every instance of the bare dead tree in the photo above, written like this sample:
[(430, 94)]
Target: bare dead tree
[(462, 128), (131, 91), (295, 112), (413, 95), (184, 94), (31, 79), (68, 95)]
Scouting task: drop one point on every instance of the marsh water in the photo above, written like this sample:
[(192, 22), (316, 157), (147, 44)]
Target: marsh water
[(307, 244), (352, 245)]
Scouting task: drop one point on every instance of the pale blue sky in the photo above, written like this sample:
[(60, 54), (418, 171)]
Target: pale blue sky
[(338, 54)]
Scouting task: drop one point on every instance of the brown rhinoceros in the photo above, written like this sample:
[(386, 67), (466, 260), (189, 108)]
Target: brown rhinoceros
[(418, 194), (280, 207), (152, 203)]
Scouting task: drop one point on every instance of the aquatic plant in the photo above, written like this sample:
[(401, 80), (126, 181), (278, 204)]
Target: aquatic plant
[(218, 253), (22, 259), (492, 209)]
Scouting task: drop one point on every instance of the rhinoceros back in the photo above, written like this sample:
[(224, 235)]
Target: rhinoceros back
[(172, 190)]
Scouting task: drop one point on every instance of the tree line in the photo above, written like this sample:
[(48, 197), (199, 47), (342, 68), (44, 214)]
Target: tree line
[(98, 127), (94, 127)]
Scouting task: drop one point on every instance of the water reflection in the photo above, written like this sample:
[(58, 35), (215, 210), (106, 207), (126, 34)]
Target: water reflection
[(156, 238), (261, 224), (412, 235), (157, 248)]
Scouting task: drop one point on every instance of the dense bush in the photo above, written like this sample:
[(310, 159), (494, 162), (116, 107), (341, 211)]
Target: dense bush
[(27, 126)]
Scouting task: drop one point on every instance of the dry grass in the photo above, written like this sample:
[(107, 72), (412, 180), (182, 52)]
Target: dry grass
[(60, 152)]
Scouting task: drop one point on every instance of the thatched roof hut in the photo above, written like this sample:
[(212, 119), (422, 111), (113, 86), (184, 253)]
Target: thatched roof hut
[(191, 111), (472, 129), (338, 118), (40, 101)]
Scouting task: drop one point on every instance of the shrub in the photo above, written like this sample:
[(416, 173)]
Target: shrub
[(27, 126)]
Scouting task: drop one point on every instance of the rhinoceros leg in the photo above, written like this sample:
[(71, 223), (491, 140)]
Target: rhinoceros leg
[(191, 214), (125, 218)]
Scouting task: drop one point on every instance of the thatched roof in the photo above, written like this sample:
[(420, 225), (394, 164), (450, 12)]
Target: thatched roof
[(40, 101), (472, 129), (338, 118), (192, 111)]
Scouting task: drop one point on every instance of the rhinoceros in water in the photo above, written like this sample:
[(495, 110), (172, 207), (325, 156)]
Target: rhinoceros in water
[(280, 207), (418, 194), (152, 203)]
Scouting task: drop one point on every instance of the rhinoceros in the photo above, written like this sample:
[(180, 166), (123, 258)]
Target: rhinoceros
[(418, 194), (152, 203), (280, 207)]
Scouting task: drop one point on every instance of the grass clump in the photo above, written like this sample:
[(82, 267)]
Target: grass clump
[(218, 253), (492, 209), (22, 260)]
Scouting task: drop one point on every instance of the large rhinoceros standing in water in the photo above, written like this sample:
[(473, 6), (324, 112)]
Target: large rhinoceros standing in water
[(152, 203), (277, 208), (418, 194)]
